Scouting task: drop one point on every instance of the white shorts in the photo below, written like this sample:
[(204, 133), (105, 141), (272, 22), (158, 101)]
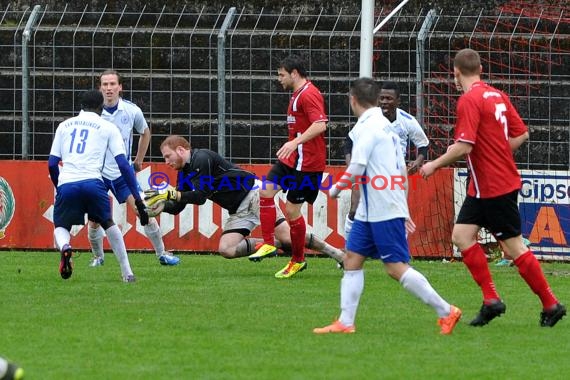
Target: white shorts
[(247, 214)]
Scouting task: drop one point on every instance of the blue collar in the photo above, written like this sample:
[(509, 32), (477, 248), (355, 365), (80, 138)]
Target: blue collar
[(112, 109)]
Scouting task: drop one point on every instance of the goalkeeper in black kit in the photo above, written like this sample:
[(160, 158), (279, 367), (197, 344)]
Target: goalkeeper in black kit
[(203, 174)]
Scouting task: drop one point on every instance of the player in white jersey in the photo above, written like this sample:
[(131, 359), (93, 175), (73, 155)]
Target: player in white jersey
[(379, 230), (126, 116), (405, 126), (82, 143)]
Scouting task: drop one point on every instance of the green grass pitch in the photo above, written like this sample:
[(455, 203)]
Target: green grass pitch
[(212, 318)]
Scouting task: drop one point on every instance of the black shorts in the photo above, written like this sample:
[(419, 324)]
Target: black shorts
[(299, 186), (499, 215)]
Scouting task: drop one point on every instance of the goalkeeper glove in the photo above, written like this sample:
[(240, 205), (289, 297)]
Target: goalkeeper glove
[(153, 196), (141, 208)]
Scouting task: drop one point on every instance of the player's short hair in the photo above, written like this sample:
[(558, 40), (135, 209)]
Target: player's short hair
[(393, 86), (293, 62), (175, 141), (366, 91), (112, 72), (91, 100), (468, 62)]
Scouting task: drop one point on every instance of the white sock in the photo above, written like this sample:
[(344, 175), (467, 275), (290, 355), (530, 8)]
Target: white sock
[(95, 236), (3, 367), (351, 287), (118, 246), (415, 283), (152, 231), (62, 237)]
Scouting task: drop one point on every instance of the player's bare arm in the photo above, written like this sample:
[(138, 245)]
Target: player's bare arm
[(419, 161), (144, 142), (454, 153), (516, 142), (289, 147), (410, 226), (414, 165)]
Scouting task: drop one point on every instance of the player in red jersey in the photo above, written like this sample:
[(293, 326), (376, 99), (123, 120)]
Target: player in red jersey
[(487, 132), (300, 166)]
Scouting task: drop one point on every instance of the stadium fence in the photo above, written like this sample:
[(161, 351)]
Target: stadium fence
[(169, 59)]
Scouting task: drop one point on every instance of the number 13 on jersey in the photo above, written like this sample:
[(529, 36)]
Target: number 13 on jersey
[(80, 146)]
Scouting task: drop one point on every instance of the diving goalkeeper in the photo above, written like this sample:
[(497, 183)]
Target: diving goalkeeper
[(203, 175)]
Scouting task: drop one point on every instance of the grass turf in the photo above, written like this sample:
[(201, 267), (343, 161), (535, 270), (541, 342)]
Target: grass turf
[(212, 318)]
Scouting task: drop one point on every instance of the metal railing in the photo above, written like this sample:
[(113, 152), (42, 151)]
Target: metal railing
[(169, 61)]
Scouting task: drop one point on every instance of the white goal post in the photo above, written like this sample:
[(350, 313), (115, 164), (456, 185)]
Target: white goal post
[(367, 31)]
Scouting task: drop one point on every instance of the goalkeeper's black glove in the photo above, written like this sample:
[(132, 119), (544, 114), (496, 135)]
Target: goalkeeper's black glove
[(153, 196), (141, 208)]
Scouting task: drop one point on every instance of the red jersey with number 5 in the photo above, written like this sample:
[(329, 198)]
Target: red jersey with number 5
[(486, 119), (306, 107)]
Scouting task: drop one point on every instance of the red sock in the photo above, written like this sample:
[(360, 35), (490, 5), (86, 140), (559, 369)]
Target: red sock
[(298, 231), (267, 216), (531, 272), (476, 261)]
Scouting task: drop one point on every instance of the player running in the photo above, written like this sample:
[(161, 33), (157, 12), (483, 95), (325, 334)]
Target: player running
[(81, 143), (301, 160), (379, 230), (487, 132)]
